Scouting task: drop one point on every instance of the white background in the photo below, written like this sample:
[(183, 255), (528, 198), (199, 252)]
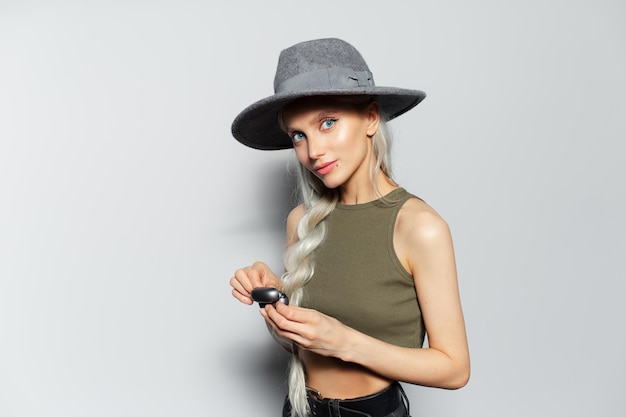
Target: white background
[(126, 205)]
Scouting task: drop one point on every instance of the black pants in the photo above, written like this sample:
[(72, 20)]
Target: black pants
[(390, 402)]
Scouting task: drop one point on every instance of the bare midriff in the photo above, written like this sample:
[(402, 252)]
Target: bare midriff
[(334, 378)]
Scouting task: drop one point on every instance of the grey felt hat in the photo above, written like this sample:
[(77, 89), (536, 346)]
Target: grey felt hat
[(321, 67)]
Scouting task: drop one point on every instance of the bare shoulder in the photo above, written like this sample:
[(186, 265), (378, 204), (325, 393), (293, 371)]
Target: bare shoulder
[(294, 217), (418, 220), (420, 232)]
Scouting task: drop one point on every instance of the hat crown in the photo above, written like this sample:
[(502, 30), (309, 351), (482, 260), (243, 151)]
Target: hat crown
[(319, 54)]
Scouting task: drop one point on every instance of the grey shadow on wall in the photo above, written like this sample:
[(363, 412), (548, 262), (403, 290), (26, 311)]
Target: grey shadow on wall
[(263, 366), (281, 188), (259, 361), (272, 197), (277, 191)]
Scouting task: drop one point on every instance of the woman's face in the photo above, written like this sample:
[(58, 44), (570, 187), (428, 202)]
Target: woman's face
[(332, 138)]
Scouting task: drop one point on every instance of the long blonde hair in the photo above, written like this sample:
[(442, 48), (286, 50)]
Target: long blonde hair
[(319, 201)]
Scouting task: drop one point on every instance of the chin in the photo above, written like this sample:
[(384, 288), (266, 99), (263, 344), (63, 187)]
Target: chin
[(330, 184)]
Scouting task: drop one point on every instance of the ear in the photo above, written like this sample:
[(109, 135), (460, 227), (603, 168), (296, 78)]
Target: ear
[(372, 112)]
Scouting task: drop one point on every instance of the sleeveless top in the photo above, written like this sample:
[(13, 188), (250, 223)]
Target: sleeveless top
[(358, 278)]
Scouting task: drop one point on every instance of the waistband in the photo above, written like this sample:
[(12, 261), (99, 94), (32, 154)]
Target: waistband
[(379, 404)]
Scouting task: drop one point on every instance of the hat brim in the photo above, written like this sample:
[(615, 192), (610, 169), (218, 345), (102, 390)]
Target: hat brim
[(257, 125)]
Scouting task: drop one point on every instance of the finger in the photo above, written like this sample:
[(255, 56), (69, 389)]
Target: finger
[(285, 319), (243, 277), (255, 277), (242, 297), (239, 291), (264, 273), (237, 285), (280, 331), (292, 313)]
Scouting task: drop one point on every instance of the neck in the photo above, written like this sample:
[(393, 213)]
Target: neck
[(364, 191)]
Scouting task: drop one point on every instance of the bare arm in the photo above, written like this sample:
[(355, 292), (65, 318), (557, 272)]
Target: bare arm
[(425, 244)]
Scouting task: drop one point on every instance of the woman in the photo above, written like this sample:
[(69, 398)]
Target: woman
[(369, 267)]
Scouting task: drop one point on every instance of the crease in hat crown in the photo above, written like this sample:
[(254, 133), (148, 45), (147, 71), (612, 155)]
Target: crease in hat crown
[(320, 67), (309, 65)]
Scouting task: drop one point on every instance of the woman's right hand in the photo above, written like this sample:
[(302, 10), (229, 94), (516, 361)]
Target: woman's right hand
[(250, 277)]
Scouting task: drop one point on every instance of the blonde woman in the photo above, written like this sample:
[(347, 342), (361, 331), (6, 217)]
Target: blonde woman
[(370, 268)]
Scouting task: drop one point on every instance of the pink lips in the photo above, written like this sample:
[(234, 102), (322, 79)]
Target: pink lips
[(325, 168)]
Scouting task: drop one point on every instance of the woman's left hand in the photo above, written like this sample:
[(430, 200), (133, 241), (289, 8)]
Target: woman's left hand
[(309, 329)]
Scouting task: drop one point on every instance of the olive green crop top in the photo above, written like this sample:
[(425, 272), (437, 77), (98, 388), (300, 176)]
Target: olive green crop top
[(358, 277)]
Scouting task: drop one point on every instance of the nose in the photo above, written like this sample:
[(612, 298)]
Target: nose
[(316, 147)]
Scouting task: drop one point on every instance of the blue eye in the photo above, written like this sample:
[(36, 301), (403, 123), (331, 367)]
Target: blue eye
[(328, 123), (297, 136)]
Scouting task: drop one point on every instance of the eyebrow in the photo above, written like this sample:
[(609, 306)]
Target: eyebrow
[(315, 119)]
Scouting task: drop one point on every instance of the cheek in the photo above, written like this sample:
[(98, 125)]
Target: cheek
[(302, 154), (351, 136), (351, 145)]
